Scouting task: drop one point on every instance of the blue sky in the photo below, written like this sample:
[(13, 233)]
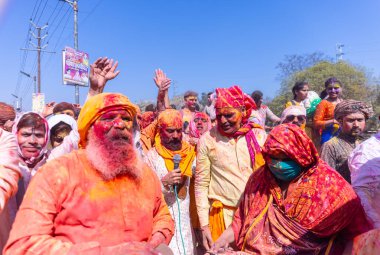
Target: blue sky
[(200, 44)]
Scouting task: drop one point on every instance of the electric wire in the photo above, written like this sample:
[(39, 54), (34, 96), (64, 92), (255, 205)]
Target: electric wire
[(179, 219), (57, 42), (51, 24), (42, 12), (91, 11), (25, 52), (38, 8), (60, 21), (52, 13), (34, 8)]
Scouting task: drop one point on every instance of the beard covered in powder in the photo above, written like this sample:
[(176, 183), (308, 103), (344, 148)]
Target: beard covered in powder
[(113, 156)]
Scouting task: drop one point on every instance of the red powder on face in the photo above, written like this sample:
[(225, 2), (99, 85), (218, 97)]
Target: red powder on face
[(111, 99), (101, 128)]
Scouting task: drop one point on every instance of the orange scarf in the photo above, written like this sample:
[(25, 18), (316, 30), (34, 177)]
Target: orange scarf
[(187, 154), (216, 220)]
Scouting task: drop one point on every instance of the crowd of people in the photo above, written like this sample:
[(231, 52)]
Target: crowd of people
[(111, 178)]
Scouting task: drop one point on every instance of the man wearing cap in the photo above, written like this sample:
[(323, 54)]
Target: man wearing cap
[(351, 115), (175, 180), (98, 198), (226, 157)]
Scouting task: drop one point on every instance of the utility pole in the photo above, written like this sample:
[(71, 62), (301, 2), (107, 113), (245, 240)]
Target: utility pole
[(339, 52), (39, 49), (74, 5)]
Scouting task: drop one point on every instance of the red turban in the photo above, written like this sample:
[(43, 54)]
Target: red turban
[(234, 97)]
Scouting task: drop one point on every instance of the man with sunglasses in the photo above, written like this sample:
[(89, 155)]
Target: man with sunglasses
[(351, 116), (294, 114)]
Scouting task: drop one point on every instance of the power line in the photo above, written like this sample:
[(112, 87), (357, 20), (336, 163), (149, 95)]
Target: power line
[(57, 42), (92, 10), (34, 8), (60, 21), (51, 24), (38, 8), (39, 48), (43, 9), (60, 35), (52, 13), (25, 53)]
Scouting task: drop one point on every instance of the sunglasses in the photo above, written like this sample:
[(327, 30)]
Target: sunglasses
[(299, 117)]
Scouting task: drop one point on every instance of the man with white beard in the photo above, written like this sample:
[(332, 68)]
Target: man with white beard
[(97, 199)]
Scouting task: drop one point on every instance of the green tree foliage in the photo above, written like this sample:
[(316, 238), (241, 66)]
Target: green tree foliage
[(353, 78)]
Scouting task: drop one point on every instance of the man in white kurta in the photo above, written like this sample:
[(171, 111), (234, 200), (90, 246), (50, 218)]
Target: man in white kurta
[(168, 143)]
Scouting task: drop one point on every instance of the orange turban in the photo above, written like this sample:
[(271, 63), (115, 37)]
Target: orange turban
[(173, 119), (170, 118), (97, 106), (147, 118)]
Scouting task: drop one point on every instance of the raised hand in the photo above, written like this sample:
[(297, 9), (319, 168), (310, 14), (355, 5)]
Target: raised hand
[(8, 125), (101, 71), (161, 80), (48, 109), (163, 85)]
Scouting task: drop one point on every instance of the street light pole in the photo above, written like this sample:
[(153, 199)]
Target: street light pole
[(34, 80), (18, 104), (74, 5)]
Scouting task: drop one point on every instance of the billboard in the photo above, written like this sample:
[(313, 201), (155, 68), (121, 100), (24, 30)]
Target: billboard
[(76, 67)]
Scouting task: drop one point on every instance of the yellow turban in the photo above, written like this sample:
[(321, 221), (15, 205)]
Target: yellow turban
[(97, 106)]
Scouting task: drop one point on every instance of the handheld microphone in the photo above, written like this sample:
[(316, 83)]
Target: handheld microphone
[(176, 159)]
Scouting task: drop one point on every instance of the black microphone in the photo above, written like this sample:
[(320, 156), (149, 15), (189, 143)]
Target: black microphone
[(176, 159)]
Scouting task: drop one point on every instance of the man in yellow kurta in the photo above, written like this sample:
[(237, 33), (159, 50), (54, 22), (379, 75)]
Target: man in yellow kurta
[(226, 157), (97, 199)]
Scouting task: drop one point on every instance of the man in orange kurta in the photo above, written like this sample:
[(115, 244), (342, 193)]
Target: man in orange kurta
[(97, 199)]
